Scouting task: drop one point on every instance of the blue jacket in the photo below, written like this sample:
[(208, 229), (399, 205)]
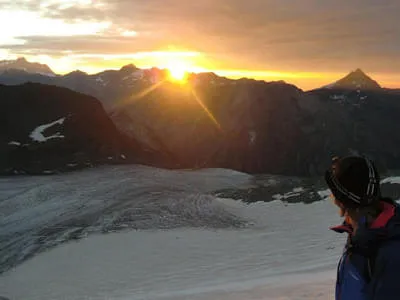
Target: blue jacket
[(369, 268)]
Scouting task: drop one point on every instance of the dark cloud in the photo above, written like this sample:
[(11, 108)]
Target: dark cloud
[(86, 44), (309, 35)]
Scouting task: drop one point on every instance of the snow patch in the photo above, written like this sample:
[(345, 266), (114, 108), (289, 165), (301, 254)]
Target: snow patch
[(325, 193), (127, 77), (14, 143), (46, 74), (391, 180), (134, 76), (72, 165), (37, 133), (138, 74), (294, 193), (338, 97), (100, 81), (123, 156)]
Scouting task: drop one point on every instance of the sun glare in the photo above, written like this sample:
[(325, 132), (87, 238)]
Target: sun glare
[(178, 71), (177, 74)]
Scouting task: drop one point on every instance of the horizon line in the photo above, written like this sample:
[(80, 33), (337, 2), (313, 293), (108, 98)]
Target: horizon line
[(290, 77)]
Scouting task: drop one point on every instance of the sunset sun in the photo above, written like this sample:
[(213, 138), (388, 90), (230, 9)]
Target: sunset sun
[(177, 74), (178, 71)]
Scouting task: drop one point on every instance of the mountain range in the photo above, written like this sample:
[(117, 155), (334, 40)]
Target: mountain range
[(29, 67), (247, 125)]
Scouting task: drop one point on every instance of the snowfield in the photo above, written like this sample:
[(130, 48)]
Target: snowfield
[(167, 238)]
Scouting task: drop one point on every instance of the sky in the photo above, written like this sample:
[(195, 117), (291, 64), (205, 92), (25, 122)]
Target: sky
[(305, 42)]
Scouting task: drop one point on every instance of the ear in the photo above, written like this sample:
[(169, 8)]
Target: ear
[(342, 211)]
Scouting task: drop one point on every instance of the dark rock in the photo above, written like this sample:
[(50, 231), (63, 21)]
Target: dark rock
[(45, 129)]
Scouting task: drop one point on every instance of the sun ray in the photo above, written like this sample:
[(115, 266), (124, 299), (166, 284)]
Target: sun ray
[(148, 90), (206, 110), (145, 92)]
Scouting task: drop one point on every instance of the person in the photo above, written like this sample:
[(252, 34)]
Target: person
[(370, 264)]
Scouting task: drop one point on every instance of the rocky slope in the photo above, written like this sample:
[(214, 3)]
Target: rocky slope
[(45, 129)]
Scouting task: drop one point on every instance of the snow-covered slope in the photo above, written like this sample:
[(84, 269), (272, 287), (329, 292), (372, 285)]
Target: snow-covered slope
[(278, 261), (175, 241), (168, 237)]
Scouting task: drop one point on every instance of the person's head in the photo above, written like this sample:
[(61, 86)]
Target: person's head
[(355, 185)]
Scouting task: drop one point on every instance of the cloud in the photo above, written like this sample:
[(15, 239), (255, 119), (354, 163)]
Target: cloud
[(307, 35)]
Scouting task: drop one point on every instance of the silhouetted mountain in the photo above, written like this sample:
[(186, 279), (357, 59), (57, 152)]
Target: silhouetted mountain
[(24, 65), (357, 122), (356, 80), (47, 129), (247, 125)]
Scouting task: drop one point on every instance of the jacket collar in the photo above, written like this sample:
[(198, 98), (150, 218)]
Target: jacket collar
[(388, 212), (385, 216)]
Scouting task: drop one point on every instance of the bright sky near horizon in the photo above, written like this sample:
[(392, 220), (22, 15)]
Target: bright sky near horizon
[(309, 43)]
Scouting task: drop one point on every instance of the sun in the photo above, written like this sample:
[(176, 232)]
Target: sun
[(178, 71), (177, 74)]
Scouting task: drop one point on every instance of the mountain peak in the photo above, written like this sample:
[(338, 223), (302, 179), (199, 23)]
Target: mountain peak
[(356, 80), (129, 68), (359, 71), (76, 73), (22, 64)]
